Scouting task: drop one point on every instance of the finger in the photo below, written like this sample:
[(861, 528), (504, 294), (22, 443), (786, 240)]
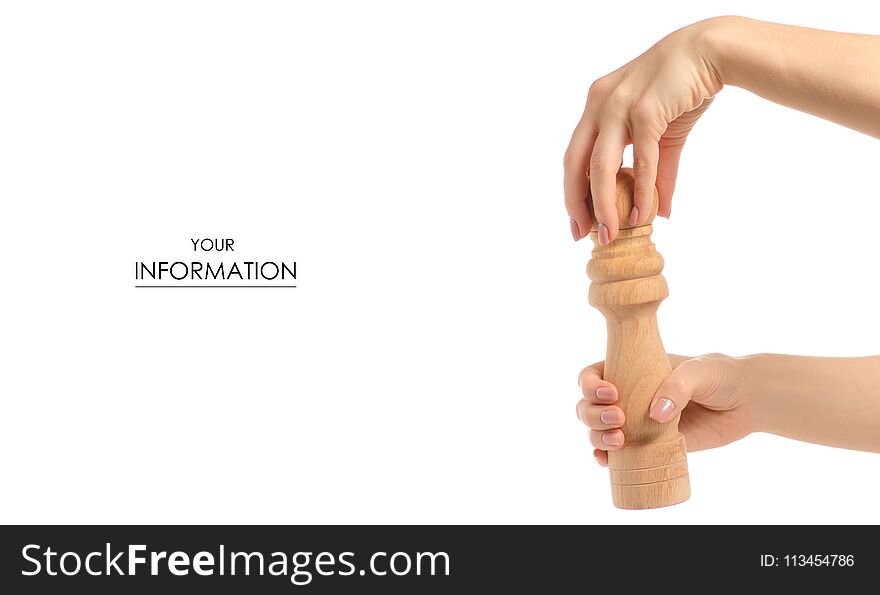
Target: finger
[(594, 389), (599, 417), (604, 165), (609, 440), (667, 172), (601, 457), (671, 144), (676, 360), (645, 156), (576, 185), (691, 377)]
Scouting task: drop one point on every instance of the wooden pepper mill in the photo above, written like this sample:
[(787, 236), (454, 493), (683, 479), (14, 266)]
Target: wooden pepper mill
[(650, 471)]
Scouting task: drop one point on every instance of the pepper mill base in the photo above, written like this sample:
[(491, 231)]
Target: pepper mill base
[(650, 475)]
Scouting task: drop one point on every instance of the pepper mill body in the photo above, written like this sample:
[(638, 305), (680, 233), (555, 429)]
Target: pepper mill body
[(650, 471)]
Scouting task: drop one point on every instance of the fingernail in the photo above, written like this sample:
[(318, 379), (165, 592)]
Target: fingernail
[(605, 394), (603, 234), (612, 438), (634, 215), (663, 410), (575, 231), (596, 458), (612, 417)]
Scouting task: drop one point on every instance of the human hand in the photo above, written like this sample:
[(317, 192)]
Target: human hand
[(651, 103), (710, 391)]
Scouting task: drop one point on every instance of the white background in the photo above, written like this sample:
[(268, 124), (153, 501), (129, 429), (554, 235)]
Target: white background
[(408, 157)]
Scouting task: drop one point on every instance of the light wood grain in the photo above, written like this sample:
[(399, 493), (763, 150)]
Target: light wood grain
[(650, 471)]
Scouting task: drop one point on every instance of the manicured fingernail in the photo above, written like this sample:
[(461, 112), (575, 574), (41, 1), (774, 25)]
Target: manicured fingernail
[(634, 215), (596, 458), (575, 230), (612, 438), (603, 234), (663, 410), (612, 417), (605, 394)]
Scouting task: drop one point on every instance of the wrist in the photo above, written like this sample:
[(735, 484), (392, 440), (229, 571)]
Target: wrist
[(749, 369), (716, 41), (756, 370)]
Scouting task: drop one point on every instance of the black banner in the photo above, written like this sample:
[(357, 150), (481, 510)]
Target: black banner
[(433, 559)]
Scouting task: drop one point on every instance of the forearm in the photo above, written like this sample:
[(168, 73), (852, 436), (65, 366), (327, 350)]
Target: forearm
[(824, 400), (832, 75)]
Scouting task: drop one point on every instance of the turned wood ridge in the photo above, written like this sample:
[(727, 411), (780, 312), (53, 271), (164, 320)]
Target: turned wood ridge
[(650, 471)]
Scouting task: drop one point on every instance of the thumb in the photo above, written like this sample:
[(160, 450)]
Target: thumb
[(690, 379)]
